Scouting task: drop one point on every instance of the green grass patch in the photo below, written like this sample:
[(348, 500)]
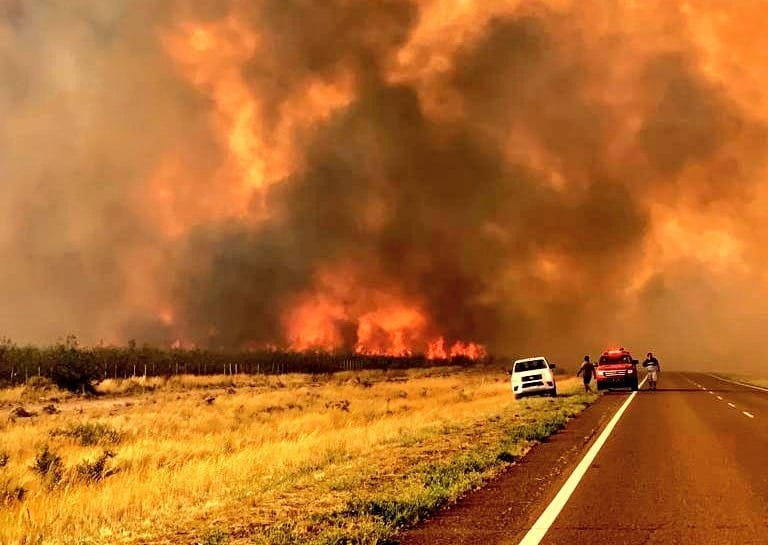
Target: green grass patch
[(374, 517)]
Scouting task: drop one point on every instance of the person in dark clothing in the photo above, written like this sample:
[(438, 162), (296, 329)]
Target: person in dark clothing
[(652, 369), (586, 371)]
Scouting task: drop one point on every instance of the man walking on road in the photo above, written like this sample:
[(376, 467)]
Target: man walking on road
[(652, 368), (587, 369)]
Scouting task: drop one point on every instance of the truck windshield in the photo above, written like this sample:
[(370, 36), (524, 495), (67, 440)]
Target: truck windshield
[(611, 360), (530, 365)]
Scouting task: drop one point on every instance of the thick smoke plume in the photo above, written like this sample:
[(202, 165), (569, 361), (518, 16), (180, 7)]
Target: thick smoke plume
[(393, 176)]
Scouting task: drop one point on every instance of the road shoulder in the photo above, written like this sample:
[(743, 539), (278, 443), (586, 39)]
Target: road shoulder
[(503, 510)]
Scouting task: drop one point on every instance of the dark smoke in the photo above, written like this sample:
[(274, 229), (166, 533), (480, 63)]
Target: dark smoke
[(564, 143)]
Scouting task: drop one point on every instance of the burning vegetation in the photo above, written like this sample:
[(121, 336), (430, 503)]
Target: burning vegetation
[(397, 177)]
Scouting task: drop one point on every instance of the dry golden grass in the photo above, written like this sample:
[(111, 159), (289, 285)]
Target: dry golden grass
[(240, 453), (748, 379)]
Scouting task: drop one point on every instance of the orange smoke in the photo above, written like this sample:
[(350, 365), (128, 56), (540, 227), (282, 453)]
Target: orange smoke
[(261, 138), (212, 57)]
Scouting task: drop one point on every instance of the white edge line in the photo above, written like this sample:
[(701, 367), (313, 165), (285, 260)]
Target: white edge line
[(740, 383), (547, 518), (745, 413)]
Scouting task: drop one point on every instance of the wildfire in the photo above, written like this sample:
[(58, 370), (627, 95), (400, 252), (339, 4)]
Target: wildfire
[(342, 312), (314, 324), (437, 350), (392, 331)]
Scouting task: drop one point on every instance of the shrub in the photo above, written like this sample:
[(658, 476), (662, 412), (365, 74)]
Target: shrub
[(21, 412), (11, 492), (49, 466), (93, 472), (4, 458), (73, 369), (214, 537), (91, 433), (38, 384)]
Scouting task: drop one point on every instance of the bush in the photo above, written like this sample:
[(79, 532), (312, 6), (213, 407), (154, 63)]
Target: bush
[(49, 466), (11, 492), (90, 433), (73, 369), (93, 472), (214, 537), (38, 384)]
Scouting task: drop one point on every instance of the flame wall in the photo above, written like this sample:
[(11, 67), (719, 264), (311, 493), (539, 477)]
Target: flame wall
[(389, 176)]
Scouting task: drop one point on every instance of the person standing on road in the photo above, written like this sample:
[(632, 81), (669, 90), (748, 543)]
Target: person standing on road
[(587, 370), (652, 369)]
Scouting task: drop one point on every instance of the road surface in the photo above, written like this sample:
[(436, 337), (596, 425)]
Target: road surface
[(686, 464)]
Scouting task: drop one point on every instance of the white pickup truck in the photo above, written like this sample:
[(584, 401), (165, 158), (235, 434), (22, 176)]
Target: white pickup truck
[(533, 376)]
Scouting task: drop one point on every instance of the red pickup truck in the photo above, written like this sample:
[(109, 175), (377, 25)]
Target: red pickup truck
[(616, 369)]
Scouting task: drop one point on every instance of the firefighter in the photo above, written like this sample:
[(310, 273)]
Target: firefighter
[(587, 370), (652, 368)]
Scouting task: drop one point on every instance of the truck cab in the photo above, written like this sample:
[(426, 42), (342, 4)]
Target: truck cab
[(531, 376), (616, 369)]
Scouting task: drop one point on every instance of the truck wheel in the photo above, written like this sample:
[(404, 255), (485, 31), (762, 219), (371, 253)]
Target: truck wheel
[(634, 386), (516, 396), (599, 387), (553, 392)]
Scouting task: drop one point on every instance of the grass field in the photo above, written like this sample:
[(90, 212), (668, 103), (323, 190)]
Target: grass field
[(342, 458), (748, 379)]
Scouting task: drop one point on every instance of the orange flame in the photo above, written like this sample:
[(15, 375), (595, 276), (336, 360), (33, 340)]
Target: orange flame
[(437, 350), (384, 322)]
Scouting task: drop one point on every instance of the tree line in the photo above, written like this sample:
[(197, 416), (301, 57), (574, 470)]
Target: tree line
[(79, 369)]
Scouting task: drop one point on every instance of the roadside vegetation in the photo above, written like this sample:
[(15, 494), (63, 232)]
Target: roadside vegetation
[(747, 379), (348, 457)]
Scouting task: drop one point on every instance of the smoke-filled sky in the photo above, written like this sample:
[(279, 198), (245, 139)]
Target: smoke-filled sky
[(387, 176)]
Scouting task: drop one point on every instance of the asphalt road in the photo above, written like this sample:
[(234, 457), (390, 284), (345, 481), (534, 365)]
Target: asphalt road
[(682, 466), (686, 464)]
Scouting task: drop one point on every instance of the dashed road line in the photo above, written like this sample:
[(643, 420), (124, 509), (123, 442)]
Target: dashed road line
[(720, 398)]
